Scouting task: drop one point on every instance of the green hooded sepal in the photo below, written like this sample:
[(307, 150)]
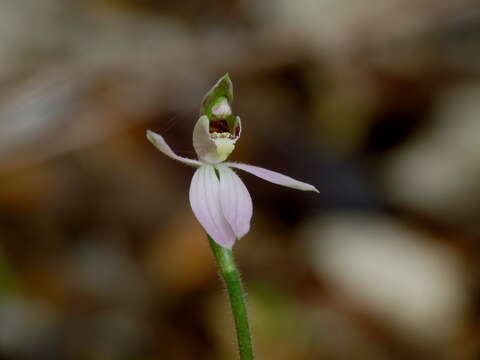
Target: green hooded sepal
[(219, 96)]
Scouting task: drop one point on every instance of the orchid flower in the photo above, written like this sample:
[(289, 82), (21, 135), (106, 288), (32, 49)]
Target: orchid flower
[(218, 197)]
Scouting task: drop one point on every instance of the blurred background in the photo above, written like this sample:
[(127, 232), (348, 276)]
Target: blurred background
[(375, 103)]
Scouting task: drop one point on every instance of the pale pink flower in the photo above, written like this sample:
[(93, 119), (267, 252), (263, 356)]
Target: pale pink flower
[(218, 197)]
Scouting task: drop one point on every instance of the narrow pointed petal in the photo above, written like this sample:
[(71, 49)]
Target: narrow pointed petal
[(235, 200), (273, 177), (203, 144), (205, 202), (159, 142)]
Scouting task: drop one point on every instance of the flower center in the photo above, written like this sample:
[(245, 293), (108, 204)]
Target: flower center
[(225, 143), (224, 135), (225, 146)]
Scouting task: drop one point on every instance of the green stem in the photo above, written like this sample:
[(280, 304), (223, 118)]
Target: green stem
[(231, 276)]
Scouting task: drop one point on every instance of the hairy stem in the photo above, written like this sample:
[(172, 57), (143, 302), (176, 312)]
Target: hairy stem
[(231, 276)]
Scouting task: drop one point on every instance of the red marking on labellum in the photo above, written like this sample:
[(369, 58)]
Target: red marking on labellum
[(219, 126)]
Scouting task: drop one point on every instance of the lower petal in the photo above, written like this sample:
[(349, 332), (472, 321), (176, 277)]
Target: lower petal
[(235, 200), (273, 177), (205, 202)]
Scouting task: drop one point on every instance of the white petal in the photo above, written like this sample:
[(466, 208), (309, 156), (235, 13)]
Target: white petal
[(235, 200), (159, 142), (273, 177), (203, 144), (205, 202)]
